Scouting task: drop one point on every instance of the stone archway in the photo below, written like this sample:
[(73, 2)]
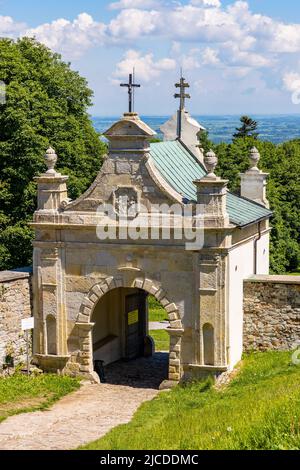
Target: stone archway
[(85, 325)]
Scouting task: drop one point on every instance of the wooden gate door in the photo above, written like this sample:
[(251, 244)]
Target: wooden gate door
[(135, 321)]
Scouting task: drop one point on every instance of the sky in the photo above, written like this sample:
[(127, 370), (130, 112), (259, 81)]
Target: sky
[(239, 57)]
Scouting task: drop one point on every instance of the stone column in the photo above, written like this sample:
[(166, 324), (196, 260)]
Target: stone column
[(254, 181)]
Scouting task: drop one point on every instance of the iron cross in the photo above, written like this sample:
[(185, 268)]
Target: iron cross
[(182, 95), (131, 85)]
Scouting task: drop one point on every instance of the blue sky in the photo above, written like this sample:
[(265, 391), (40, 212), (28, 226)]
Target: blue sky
[(239, 56)]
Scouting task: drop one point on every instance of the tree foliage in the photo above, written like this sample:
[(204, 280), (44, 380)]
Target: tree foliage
[(247, 129), (283, 163), (46, 104)]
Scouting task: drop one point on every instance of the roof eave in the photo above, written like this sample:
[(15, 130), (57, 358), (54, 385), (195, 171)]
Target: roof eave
[(257, 221)]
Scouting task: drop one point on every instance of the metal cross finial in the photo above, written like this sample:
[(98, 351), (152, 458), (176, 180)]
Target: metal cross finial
[(182, 95), (130, 85)]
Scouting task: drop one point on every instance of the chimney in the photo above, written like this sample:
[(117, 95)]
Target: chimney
[(254, 181)]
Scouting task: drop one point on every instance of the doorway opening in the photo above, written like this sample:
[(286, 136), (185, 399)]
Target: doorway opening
[(130, 344)]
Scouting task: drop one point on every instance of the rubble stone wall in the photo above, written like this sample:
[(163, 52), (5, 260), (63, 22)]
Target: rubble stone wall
[(271, 313), (15, 305)]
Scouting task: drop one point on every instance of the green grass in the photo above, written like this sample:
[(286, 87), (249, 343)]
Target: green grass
[(260, 409), (19, 393), (161, 340), (156, 311)]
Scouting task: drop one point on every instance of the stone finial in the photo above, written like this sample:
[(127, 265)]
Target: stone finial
[(50, 160), (211, 161), (254, 157), (254, 181)]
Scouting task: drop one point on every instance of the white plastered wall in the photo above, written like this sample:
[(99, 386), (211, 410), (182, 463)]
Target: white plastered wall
[(263, 254), (241, 266)]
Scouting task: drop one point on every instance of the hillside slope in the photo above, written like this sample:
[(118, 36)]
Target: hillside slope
[(260, 409)]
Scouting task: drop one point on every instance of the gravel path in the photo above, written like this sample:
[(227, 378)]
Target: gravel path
[(88, 413)]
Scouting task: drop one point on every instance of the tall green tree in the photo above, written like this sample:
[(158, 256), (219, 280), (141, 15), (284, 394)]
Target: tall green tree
[(247, 129), (46, 104), (283, 163)]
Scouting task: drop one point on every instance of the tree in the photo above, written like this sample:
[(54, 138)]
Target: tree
[(46, 104), (248, 128), (283, 163), (204, 141)]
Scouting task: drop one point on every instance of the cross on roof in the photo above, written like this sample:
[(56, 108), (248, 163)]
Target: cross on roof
[(130, 85), (182, 95)]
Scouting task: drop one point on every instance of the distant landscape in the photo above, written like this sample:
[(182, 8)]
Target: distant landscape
[(272, 128)]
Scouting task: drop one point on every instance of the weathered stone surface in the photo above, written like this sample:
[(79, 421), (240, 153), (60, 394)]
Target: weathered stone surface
[(123, 167), (15, 305), (271, 313)]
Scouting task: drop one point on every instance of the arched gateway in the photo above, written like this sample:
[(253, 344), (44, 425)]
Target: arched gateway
[(153, 221), (101, 289)]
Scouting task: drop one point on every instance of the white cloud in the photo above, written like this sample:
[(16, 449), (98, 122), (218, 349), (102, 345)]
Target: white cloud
[(202, 34), (145, 66), (291, 81), (206, 3), (175, 48), (125, 4), (210, 56), (70, 37), (232, 55), (133, 23), (9, 27)]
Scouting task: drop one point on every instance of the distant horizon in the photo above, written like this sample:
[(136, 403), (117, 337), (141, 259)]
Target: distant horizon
[(195, 114), (276, 128)]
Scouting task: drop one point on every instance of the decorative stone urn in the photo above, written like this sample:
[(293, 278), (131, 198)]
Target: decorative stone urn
[(211, 161), (254, 157), (50, 159)]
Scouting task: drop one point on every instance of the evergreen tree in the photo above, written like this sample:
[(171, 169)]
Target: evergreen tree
[(46, 104), (248, 128)]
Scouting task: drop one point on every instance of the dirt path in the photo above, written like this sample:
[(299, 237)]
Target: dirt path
[(86, 414)]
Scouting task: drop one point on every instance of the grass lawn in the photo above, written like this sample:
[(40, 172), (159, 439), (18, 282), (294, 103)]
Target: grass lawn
[(260, 409), (161, 340), (19, 393), (156, 311)]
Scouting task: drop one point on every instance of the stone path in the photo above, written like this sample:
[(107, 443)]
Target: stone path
[(88, 413)]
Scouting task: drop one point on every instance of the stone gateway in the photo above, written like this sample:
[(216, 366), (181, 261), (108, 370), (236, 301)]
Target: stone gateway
[(157, 220)]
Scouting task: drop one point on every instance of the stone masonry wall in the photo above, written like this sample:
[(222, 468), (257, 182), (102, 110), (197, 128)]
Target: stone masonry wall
[(271, 313), (15, 305)]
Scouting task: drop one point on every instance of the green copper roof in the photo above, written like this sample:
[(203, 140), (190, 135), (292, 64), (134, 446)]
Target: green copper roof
[(180, 168)]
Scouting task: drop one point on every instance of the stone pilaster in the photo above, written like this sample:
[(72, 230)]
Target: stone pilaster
[(213, 306), (49, 292), (211, 271)]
